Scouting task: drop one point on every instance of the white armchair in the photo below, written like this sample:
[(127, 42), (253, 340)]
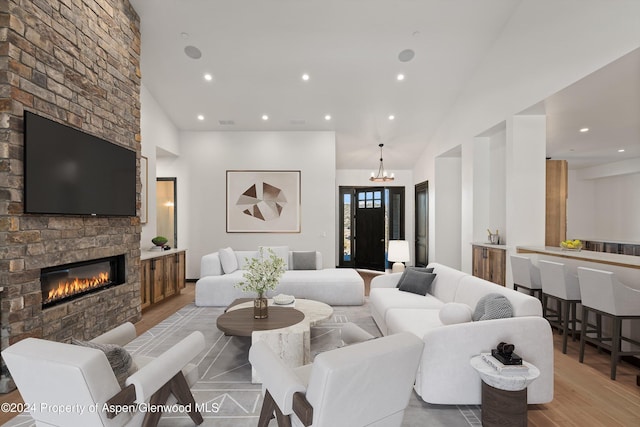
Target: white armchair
[(70, 385), (364, 384)]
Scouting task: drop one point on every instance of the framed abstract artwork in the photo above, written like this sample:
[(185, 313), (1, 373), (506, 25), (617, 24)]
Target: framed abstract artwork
[(263, 201)]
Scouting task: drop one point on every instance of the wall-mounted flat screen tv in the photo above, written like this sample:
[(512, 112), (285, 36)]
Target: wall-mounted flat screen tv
[(69, 172)]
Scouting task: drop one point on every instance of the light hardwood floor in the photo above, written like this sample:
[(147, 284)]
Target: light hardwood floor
[(584, 394)]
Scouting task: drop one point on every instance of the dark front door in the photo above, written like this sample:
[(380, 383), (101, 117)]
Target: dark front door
[(422, 224), (370, 228)]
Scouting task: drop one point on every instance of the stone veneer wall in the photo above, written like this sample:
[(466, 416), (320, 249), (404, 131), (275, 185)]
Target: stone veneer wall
[(76, 62)]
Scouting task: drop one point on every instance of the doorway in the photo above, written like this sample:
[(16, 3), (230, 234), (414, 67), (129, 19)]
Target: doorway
[(166, 209), (371, 216), (422, 224)]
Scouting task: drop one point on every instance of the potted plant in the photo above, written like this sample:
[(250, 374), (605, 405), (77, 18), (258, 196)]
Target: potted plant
[(159, 241), (262, 274)]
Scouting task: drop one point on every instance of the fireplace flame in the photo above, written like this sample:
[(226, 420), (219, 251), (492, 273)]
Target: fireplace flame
[(77, 285)]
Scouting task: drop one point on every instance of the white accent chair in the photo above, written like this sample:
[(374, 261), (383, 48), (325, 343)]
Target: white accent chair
[(561, 285), (605, 295), (365, 384), (52, 375), (526, 276)]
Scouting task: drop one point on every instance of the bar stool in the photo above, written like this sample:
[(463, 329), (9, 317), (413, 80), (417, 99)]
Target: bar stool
[(605, 295), (562, 286), (526, 276)]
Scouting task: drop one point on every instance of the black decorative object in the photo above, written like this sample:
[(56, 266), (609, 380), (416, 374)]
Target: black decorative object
[(504, 353)]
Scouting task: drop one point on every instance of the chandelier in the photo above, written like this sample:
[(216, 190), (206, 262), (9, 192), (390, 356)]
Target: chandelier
[(382, 173)]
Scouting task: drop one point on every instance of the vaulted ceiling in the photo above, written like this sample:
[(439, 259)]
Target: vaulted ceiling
[(352, 51)]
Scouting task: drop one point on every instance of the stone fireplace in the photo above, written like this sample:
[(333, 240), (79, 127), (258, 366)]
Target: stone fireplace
[(76, 63)]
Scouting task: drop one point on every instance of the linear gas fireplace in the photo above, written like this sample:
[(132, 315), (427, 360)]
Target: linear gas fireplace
[(69, 281)]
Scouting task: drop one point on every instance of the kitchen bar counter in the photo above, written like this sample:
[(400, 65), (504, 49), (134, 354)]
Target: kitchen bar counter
[(626, 261), (625, 267)]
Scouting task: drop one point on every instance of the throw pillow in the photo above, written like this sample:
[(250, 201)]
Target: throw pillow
[(455, 312), (493, 306), (120, 360), (228, 260), (416, 282), (282, 252), (303, 260), (420, 269)]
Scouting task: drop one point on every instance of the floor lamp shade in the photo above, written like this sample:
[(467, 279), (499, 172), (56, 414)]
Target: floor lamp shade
[(398, 253)]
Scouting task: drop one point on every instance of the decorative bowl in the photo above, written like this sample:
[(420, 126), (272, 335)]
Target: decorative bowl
[(283, 299)]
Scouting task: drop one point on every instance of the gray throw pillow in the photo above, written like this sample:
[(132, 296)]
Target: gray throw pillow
[(419, 269), (493, 306), (120, 360), (304, 260), (416, 282)]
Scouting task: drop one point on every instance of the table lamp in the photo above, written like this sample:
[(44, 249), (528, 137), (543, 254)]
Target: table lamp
[(398, 253)]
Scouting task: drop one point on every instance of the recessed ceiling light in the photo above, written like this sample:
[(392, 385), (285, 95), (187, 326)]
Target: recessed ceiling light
[(265, 117), (305, 77), (583, 130), (184, 35), (200, 117), (208, 77), (621, 150), (327, 117), (400, 77), (392, 117)]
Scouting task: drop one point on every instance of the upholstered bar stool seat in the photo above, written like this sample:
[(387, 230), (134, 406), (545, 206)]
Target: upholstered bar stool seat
[(526, 276), (603, 294), (562, 286)]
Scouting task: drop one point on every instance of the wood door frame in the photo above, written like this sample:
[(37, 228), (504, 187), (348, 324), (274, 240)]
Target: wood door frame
[(348, 189)]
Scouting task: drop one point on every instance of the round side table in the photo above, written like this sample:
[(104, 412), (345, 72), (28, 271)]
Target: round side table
[(504, 396)]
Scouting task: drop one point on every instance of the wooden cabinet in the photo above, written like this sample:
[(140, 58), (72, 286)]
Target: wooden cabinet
[(162, 275), (556, 202), (145, 283), (489, 263)]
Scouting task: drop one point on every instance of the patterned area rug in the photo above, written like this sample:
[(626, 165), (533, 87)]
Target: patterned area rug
[(225, 389)]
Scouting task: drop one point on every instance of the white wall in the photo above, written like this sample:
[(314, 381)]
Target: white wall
[(448, 204), (604, 208), (498, 186), (158, 133), (546, 46), (201, 173), (360, 178)]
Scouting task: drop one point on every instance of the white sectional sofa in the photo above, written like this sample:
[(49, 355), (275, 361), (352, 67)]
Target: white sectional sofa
[(445, 375), (333, 286)]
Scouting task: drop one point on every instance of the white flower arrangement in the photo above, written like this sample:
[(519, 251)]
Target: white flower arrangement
[(262, 273)]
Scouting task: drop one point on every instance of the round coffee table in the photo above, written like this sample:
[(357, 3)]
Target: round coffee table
[(292, 343), (240, 322)]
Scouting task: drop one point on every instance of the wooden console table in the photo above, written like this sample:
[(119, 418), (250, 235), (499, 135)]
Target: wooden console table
[(162, 275)]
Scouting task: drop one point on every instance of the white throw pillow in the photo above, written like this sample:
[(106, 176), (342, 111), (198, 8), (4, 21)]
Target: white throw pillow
[(228, 260), (455, 312), (280, 251)]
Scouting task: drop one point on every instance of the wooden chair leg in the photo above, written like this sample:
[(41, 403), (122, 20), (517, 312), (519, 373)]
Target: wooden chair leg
[(160, 397), (574, 321), (179, 387), (565, 324), (181, 390), (599, 328), (583, 332), (615, 345), (266, 412)]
